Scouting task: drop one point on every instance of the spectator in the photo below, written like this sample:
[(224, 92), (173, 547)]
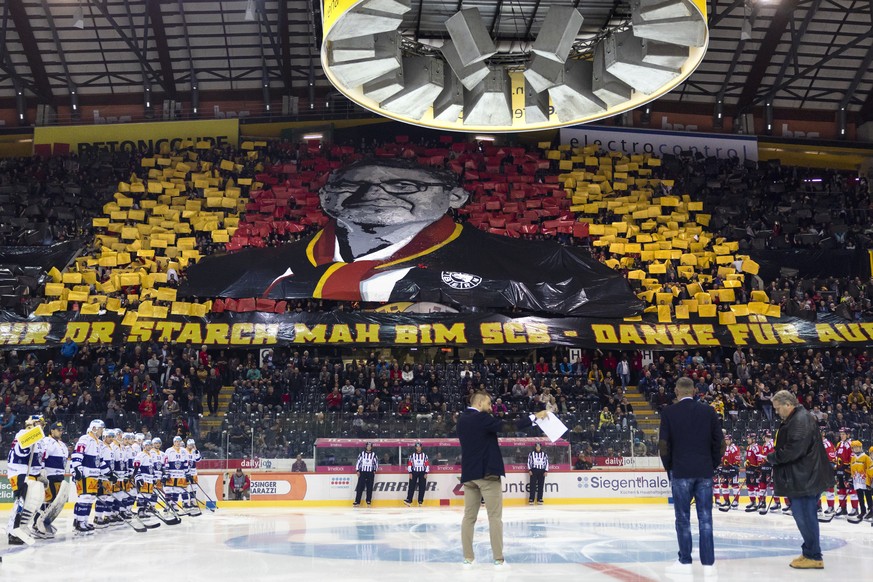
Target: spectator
[(147, 410), (169, 412), (299, 465), (583, 462)]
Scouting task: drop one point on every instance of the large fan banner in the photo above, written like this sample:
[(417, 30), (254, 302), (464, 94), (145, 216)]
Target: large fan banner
[(389, 238), (380, 329)]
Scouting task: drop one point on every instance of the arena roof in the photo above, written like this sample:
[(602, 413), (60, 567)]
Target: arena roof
[(801, 54)]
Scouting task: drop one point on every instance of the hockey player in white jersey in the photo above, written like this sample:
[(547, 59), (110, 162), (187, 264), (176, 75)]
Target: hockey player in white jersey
[(189, 498), (54, 458), (127, 455), (88, 467), (103, 509), (119, 471), (24, 465), (157, 456), (175, 471), (144, 479)]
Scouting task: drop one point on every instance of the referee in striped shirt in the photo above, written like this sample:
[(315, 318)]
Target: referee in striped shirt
[(366, 468), (537, 466), (418, 466)]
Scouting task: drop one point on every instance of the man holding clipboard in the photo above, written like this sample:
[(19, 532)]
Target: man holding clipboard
[(481, 471)]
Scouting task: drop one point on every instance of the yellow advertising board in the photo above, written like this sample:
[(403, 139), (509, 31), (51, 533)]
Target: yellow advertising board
[(156, 137)]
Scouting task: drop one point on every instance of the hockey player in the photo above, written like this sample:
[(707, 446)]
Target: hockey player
[(845, 487), (418, 467), (127, 456), (157, 456), (861, 465), (753, 471), (832, 457), (144, 479), (766, 483), (54, 458), (88, 467), (730, 473), (104, 514), (122, 473), (190, 497), (175, 471), (24, 465)]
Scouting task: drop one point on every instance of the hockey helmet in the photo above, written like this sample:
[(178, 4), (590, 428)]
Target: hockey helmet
[(767, 434), (845, 430), (156, 442), (96, 425), (857, 444), (127, 436), (139, 437), (752, 436), (109, 433), (191, 442), (177, 439), (34, 419)]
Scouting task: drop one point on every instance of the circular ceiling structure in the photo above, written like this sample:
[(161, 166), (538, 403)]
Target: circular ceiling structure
[(441, 67)]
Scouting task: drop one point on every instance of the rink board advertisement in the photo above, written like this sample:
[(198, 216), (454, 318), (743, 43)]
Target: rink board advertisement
[(660, 143), (376, 329), (447, 486)]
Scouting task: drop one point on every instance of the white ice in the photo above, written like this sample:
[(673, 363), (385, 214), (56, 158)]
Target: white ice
[(543, 543)]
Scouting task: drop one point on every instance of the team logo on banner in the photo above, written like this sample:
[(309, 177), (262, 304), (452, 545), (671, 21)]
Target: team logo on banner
[(457, 280)]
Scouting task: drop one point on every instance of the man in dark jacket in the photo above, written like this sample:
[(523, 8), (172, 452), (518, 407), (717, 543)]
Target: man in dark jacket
[(481, 470), (691, 445), (801, 471)]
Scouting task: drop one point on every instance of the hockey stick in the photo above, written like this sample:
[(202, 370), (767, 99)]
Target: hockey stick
[(138, 520), (170, 506), (766, 509), (211, 505)]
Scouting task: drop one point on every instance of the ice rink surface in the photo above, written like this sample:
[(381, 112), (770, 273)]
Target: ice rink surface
[(542, 543)]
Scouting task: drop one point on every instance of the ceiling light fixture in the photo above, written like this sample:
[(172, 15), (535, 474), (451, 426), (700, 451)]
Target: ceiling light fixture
[(458, 78)]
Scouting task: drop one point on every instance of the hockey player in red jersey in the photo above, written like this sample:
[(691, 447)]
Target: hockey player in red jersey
[(845, 488), (832, 457), (766, 484), (730, 474), (753, 472)]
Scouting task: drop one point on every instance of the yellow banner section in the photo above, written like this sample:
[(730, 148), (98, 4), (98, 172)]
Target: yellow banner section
[(31, 437), (157, 137), (331, 10)]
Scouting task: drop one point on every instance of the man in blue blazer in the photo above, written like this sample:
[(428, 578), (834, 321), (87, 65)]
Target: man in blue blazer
[(691, 444), (481, 470)]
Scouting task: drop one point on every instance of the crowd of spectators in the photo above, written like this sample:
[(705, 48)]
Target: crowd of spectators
[(284, 399), (59, 197)]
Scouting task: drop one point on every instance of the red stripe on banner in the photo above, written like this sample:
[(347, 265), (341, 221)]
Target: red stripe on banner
[(618, 573)]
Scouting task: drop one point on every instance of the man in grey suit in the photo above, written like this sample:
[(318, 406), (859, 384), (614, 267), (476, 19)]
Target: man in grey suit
[(691, 445)]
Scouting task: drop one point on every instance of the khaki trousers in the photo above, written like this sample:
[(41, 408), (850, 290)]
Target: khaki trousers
[(492, 492)]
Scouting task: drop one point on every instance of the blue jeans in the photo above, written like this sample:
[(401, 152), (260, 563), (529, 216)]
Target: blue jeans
[(701, 490), (804, 511)]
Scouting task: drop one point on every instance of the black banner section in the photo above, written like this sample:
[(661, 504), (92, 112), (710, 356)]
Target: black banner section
[(373, 329), (45, 257), (466, 267), (811, 263)]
